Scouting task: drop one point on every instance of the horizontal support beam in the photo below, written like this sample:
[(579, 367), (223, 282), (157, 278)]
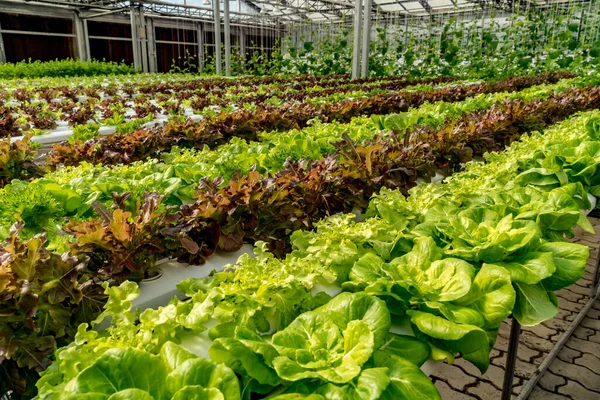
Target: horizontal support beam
[(110, 38), (33, 33), (176, 42), (115, 11)]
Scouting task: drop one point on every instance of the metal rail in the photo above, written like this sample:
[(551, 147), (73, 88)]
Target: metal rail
[(533, 381), (515, 334), (511, 359)]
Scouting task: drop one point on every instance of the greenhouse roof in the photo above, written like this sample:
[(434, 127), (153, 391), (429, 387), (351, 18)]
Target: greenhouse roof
[(289, 11)]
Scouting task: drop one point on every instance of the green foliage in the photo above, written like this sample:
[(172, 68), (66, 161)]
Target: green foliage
[(83, 133), (18, 160), (181, 169), (128, 127), (174, 373), (451, 260), (62, 68), (528, 42)]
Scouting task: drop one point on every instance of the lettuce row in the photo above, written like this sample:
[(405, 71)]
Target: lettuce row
[(69, 192), (220, 127), (128, 373), (343, 348), (454, 266)]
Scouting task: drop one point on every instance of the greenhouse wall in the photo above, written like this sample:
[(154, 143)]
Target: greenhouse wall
[(47, 33)]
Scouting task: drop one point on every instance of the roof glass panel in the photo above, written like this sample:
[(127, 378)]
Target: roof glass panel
[(317, 16), (413, 6), (392, 7), (440, 3)]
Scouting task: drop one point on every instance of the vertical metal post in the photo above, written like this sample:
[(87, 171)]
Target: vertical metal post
[(585, 31), (581, 16), (482, 24), (405, 31), (596, 278), (200, 33), (511, 359), (356, 43), (243, 46), (2, 49), (80, 37), (143, 41), (134, 38), (227, 29), (86, 38), (217, 15), (366, 39), (151, 39)]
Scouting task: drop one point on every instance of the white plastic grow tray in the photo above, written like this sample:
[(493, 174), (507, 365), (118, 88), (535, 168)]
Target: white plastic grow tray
[(593, 200), (62, 133), (158, 291), (437, 178)]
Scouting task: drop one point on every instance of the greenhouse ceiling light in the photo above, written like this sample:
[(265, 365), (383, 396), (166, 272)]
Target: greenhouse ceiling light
[(206, 2)]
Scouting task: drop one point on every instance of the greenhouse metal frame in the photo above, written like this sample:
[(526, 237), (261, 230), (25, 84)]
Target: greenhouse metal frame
[(271, 16)]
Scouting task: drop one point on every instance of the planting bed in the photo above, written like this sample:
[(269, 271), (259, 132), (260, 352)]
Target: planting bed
[(307, 238)]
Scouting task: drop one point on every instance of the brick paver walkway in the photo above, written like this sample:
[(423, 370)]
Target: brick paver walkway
[(573, 375)]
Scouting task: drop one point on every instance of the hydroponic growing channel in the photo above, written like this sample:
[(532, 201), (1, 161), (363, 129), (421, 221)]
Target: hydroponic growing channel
[(355, 210)]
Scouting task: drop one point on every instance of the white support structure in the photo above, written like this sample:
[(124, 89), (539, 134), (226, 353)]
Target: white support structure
[(151, 38), (242, 39), (143, 40), (227, 29), (139, 39), (2, 49), (366, 39), (356, 43), (81, 37), (217, 16), (86, 35), (137, 61), (200, 40)]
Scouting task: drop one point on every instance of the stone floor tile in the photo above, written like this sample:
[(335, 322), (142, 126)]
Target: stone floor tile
[(551, 382), (448, 393), (574, 307), (591, 323), (583, 345), (569, 296), (542, 331), (537, 343), (577, 373), (568, 355), (578, 392), (595, 337), (583, 333), (466, 366), (583, 291), (541, 394), (485, 390), (590, 361), (594, 314), (558, 323), (495, 375), (455, 376)]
